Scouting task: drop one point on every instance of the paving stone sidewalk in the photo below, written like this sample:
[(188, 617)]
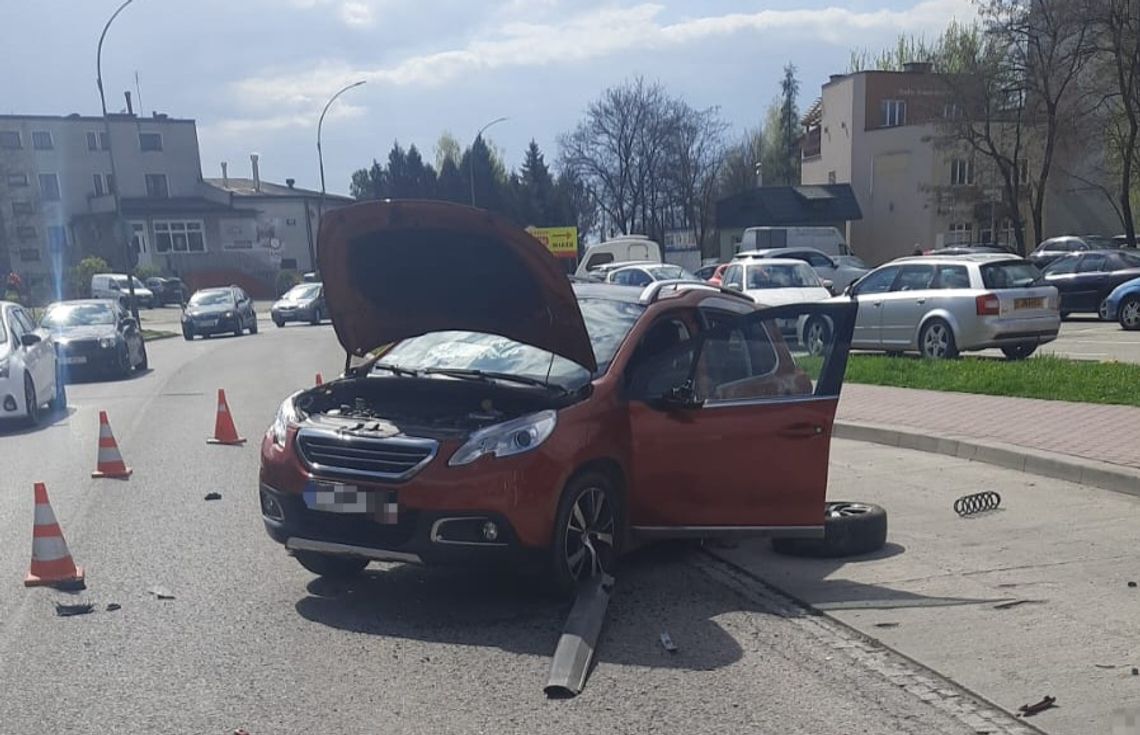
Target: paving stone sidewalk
[(1090, 431)]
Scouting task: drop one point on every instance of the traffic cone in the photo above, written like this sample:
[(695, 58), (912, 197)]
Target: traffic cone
[(109, 463), (320, 380), (52, 565), (224, 430)]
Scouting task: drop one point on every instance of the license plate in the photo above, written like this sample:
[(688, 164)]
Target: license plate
[(75, 360), (209, 322), (329, 497), (1028, 303)]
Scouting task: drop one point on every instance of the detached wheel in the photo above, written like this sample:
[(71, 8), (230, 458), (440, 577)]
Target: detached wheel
[(936, 340), (849, 529), (1018, 352), (1130, 313), (333, 567), (586, 531)]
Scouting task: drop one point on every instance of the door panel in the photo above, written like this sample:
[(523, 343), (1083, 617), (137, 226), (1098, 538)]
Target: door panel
[(744, 441), (900, 315)]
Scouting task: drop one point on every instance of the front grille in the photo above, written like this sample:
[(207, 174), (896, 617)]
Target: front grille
[(339, 454)]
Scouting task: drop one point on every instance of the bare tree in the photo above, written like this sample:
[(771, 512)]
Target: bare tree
[(697, 152), (738, 172)]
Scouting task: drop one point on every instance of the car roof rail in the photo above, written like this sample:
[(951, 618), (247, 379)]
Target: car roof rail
[(652, 293)]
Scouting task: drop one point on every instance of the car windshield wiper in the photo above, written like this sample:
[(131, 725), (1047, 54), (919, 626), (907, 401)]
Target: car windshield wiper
[(489, 376), (395, 369)]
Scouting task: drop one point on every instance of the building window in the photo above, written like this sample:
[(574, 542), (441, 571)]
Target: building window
[(1008, 236), (10, 140), (104, 184), (138, 237), (150, 141), (98, 141), (952, 111), (23, 208), (41, 140), (99, 190), (831, 177), (29, 255), (156, 186), (17, 179), (961, 233), (57, 238), (894, 113), (961, 172), (290, 222), (49, 187), (179, 237), (25, 232)]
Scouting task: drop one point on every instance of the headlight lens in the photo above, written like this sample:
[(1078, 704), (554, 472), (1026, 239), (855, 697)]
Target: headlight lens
[(228, 315), (287, 414), (107, 342), (4, 368), (508, 438)]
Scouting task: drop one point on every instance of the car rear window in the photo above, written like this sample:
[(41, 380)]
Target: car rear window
[(1010, 274)]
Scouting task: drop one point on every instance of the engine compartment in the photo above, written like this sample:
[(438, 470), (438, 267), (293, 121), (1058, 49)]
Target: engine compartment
[(435, 407)]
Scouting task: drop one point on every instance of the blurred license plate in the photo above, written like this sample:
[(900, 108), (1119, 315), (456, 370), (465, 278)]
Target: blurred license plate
[(209, 322), (1028, 303), (75, 360), (330, 497)]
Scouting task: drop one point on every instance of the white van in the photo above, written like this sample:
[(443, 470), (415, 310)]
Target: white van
[(115, 286), (826, 239), (620, 249)]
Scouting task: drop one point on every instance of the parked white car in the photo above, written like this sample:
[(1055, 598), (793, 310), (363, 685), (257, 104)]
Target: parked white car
[(620, 249), (643, 274), (940, 306), (839, 272), (775, 282), (115, 286), (29, 373)]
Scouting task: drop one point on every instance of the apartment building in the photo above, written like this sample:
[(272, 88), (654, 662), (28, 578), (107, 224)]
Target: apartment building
[(879, 132)]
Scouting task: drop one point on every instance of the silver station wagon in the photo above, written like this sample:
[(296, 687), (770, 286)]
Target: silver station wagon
[(940, 306)]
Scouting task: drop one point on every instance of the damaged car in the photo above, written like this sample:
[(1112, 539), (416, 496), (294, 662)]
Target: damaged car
[(501, 414)]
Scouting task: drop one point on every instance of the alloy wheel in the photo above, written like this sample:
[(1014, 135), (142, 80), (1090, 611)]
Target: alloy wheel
[(815, 337), (839, 510), (936, 342), (589, 546), (1102, 310), (1130, 314)]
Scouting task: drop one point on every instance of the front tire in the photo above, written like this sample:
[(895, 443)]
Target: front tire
[(1018, 352), (123, 369), (936, 341), (187, 334), (1130, 313), (253, 325), (330, 566), (316, 317), (587, 531), (59, 400), (144, 363), (849, 529), (31, 402)]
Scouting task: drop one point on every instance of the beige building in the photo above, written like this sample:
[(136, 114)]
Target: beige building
[(877, 131)]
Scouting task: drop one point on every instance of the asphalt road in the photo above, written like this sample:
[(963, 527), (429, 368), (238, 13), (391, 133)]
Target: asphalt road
[(1088, 338), (253, 641)]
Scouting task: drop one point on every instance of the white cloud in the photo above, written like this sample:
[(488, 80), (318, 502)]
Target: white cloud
[(356, 13), (587, 35)]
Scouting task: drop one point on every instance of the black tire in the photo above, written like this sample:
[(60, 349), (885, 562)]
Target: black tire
[(316, 317), (849, 529), (187, 334), (31, 401), (1065, 314), (123, 369), (936, 340), (59, 400), (144, 363), (1102, 310), (279, 322), (253, 327), (331, 566), (587, 531), (1129, 313), (1018, 352), (817, 334)]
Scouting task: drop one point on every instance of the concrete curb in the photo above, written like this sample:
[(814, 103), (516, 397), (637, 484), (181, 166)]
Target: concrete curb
[(1103, 475)]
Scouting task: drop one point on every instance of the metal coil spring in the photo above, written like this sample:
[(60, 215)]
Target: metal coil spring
[(977, 503)]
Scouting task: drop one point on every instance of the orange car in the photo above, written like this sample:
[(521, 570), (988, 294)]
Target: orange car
[(516, 416)]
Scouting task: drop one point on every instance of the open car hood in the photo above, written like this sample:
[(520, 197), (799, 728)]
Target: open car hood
[(397, 269)]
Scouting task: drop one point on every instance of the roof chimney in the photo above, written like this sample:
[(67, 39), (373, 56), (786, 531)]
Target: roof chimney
[(130, 107), (290, 182), (256, 172), (225, 176)]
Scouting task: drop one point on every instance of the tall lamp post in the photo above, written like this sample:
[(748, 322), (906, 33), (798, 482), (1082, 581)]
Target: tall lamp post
[(321, 162), (478, 135), (119, 230)]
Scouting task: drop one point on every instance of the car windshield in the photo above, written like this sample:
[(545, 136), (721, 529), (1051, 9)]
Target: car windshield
[(781, 275), (1010, 274), (211, 298), (303, 291), (607, 322), (3, 331), (670, 273), (78, 315)]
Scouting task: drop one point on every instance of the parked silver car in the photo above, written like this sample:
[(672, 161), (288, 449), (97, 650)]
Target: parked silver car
[(840, 270), (940, 306)]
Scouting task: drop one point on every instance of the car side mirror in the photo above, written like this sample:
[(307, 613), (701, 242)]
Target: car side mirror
[(733, 286), (679, 398), (129, 322), (29, 339), (828, 284)]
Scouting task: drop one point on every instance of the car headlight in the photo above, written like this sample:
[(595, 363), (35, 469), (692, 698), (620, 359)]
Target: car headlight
[(107, 342), (4, 368), (228, 315), (508, 438), (287, 414)]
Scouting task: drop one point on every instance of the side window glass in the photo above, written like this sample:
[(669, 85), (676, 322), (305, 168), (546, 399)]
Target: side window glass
[(621, 278), (24, 320), (733, 276), (818, 261), (1063, 266), (598, 259), (953, 276), (663, 360), (640, 278), (16, 327), (1091, 264), (914, 278), (877, 282)]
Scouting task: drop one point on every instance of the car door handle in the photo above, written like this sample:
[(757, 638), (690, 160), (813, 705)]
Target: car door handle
[(920, 301), (876, 303), (800, 431)]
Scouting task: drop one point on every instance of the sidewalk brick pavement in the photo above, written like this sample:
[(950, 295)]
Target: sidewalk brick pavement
[(1090, 431)]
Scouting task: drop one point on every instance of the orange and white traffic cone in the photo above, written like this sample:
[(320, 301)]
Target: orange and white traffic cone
[(52, 565), (224, 430), (109, 463), (320, 380)]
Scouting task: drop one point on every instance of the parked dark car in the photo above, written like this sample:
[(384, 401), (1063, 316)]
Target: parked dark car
[(218, 311), (96, 336), (305, 302), (1086, 279), (167, 290), (1056, 247)]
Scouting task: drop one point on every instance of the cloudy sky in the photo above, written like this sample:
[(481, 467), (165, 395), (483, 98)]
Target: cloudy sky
[(255, 73)]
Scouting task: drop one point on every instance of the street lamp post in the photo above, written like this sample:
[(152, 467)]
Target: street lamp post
[(321, 163), (478, 135), (118, 228)]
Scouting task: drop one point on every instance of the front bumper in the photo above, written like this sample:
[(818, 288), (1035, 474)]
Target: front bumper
[(12, 398), (202, 325), (291, 313), (86, 355)]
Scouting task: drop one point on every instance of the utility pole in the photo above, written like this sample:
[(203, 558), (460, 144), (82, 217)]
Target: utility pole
[(472, 161), (321, 163)]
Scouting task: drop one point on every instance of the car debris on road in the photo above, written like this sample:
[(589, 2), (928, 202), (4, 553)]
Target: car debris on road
[(1029, 710)]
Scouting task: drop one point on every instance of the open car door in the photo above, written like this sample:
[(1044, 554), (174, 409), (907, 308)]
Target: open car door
[(731, 428)]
